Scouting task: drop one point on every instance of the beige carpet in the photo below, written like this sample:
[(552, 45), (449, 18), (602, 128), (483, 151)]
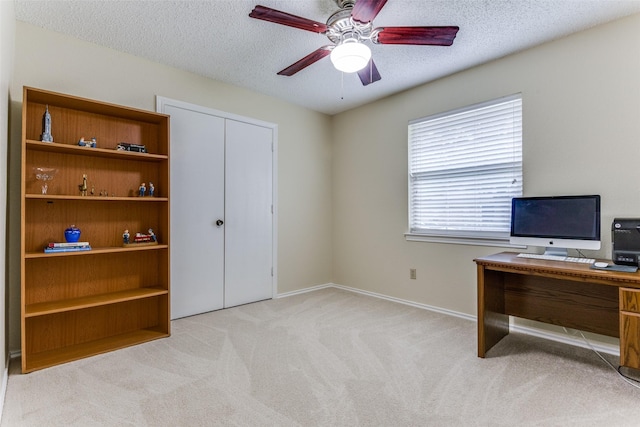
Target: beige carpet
[(326, 358)]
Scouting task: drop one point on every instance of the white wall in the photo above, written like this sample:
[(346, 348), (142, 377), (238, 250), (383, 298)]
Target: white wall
[(581, 135), (7, 26), (51, 61)]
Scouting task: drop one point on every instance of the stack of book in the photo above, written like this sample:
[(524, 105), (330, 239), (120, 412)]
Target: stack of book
[(67, 247)]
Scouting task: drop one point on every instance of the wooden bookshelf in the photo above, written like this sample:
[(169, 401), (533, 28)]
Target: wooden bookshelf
[(78, 304)]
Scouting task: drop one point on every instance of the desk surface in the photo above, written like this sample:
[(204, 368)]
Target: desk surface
[(509, 262)]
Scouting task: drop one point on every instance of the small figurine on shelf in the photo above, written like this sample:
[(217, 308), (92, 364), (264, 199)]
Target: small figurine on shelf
[(91, 144), (139, 238), (83, 186), (46, 126), (151, 189), (142, 189)]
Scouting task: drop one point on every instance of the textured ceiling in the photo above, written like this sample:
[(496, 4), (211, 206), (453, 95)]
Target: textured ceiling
[(217, 39)]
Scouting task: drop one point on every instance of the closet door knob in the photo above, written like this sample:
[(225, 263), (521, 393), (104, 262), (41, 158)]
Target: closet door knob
[(219, 222)]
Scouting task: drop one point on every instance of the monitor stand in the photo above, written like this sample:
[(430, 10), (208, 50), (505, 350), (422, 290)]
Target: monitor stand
[(556, 251)]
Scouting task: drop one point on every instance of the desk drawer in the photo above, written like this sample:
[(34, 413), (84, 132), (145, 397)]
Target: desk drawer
[(630, 327), (630, 340), (630, 300)]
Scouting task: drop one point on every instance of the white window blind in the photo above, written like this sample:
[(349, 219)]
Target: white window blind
[(465, 166)]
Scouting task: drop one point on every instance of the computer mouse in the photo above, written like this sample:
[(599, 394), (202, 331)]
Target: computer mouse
[(600, 264)]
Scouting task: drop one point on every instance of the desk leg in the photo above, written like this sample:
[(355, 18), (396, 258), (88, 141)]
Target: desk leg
[(493, 324)]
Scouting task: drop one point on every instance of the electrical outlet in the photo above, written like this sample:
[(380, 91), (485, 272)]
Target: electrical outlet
[(412, 273)]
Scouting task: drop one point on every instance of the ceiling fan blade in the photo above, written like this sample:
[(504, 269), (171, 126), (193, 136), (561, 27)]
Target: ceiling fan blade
[(369, 74), (272, 15), (438, 36), (313, 57), (365, 10)]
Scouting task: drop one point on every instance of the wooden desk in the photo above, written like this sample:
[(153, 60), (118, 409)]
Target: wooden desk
[(560, 293)]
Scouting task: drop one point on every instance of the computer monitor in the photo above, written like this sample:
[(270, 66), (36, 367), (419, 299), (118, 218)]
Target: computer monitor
[(556, 223)]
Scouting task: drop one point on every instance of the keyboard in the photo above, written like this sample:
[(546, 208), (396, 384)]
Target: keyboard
[(558, 258)]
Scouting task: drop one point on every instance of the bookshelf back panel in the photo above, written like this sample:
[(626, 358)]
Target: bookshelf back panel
[(101, 222), (57, 331), (69, 125), (120, 178), (59, 278)]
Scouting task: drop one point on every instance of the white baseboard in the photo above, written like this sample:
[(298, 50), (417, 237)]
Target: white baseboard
[(3, 386), (305, 290), (567, 339), (408, 302), (540, 333)]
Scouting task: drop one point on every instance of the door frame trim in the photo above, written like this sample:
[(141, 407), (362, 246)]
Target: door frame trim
[(162, 101)]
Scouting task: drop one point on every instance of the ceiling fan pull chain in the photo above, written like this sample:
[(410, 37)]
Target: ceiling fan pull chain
[(341, 84)]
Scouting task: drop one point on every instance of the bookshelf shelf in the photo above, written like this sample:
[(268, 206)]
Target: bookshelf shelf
[(96, 251), (93, 152), (51, 307), (97, 198), (57, 356)]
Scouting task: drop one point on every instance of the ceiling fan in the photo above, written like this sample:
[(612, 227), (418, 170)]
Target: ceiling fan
[(349, 28)]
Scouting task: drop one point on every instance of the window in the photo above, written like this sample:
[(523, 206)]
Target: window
[(465, 166)]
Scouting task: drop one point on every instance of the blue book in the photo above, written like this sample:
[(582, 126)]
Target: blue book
[(68, 249)]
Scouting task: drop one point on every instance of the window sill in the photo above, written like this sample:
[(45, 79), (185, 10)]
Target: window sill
[(462, 240)]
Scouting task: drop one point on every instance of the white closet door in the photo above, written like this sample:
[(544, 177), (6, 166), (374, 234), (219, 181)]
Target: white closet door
[(197, 202), (248, 210)]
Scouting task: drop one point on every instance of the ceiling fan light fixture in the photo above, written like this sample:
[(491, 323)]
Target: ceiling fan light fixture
[(350, 56)]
